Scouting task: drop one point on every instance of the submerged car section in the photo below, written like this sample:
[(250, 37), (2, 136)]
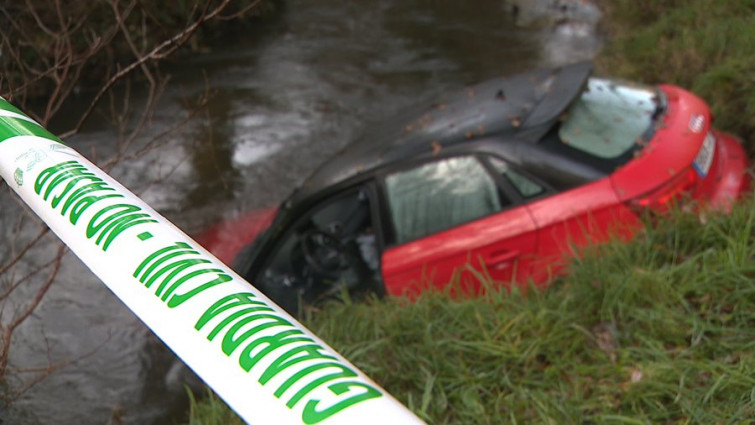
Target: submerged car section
[(499, 183)]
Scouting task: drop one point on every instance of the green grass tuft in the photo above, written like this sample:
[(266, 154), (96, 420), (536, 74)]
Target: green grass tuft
[(658, 330), (210, 410)]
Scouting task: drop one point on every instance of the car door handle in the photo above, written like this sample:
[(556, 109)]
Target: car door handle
[(499, 257)]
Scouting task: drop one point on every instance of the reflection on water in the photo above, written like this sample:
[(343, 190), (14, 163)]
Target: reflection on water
[(211, 147), (281, 101)]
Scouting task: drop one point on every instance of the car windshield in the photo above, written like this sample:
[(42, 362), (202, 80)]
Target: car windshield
[(610, 117)]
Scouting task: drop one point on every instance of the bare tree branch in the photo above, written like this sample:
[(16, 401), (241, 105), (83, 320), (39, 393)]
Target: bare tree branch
[(161, 51), (46, 55), (26, 311)]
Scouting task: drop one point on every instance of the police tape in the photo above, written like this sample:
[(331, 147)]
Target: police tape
[(268, 367)]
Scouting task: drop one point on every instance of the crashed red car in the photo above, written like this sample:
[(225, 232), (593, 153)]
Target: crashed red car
[(501, 181)]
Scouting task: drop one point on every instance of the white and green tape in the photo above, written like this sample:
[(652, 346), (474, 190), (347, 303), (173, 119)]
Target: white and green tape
[(263, 363)]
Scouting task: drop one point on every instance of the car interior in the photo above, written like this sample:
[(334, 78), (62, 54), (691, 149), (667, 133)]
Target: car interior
[(331, 248)]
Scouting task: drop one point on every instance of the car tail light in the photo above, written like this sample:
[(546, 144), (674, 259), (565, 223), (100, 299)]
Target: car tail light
[(671, 192), (683, 184)]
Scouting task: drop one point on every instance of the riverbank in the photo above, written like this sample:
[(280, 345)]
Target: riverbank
[(705, 46), (655, 331), (658, 330)]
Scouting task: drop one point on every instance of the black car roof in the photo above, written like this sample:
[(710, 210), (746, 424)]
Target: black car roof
[(519, 109)]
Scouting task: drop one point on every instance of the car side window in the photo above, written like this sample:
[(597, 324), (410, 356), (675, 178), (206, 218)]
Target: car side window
[(525, 186), (440, 195)]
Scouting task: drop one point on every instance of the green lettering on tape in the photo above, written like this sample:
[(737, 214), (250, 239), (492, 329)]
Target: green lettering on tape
[(312, 415), (122, 218)]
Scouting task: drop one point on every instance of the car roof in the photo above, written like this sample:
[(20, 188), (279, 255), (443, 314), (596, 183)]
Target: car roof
[(520, 109)]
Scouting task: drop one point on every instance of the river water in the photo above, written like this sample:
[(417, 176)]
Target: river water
[(283, 98)]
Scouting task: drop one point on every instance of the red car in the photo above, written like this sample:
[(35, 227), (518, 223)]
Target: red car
[(500, 181)]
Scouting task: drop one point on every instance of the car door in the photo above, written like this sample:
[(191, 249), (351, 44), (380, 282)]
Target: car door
[(453, 223), (580, 217)]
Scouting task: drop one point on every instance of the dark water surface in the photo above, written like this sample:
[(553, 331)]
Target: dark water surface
[(283, 98)]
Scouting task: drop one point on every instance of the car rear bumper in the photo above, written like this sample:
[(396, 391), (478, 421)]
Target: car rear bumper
[(735, 179)]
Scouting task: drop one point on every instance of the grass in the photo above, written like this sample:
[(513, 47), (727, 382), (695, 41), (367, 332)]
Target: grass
[(210, 410), (707, 46), (658, 330)]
